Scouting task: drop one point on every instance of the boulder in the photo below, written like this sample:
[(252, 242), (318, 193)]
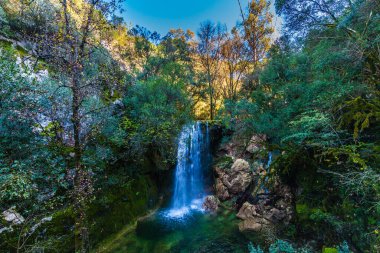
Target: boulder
[(234, 181), (240, 165), (221, 190), (247, 211), (13, 217), (211, 203), (256, 143), (250, 225), (268, 210), (239, 177)]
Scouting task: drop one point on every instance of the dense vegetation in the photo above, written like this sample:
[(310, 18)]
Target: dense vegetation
[(90, 110), (318, 102)]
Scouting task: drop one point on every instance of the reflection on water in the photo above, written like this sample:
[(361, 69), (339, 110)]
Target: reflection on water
[(194, 232)]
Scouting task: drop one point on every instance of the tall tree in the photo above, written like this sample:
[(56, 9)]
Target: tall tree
[(209, 50), (304, 15), (258, 29), (73, 51), (236, 62)]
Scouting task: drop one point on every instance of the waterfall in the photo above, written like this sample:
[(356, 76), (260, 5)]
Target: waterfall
[(267, 168), (188, 182), (269, 161)]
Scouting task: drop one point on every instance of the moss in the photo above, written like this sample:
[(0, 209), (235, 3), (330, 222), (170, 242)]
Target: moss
[(61, 220), (5, 45), (329, 250), (121, 206), (224, 162), (60, 229)]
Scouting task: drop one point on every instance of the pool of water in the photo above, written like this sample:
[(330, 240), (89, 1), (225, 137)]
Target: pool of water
[(183, 226), (194, 231)]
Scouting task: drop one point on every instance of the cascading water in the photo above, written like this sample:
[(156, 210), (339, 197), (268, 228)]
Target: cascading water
[(267, 168), (182, 226), (192, 155)]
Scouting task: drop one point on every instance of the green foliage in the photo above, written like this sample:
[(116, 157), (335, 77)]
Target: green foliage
[(224, 162), (329, 250), (281, 247), (253, 249), (16, 183), (316, 100), (361, 113), (319, 106), (343, 248), (4, 28), (153, 113)]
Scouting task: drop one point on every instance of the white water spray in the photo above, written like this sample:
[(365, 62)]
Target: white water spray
[(189, 179)]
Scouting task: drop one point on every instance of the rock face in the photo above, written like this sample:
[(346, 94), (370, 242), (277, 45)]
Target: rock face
[(241, 174), (211, 203), (271, 209), (231, 182)]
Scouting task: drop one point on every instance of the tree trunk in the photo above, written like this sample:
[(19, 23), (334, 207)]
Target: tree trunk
[(211, 101), (80, 181)]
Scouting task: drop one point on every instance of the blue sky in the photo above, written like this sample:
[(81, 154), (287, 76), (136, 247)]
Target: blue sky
[(163, 15)]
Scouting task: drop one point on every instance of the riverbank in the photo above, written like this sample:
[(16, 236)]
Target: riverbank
[(108, 244)]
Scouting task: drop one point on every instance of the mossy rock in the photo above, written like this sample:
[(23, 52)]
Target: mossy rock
[(224, 162), (121, 206)]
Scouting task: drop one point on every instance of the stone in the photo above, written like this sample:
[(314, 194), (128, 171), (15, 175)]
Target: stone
[(254, 225), (247, 211), (234, 181), (42, 221), (13, 217), (221, 190), (250, 225), (240, 177), (240, 165), (256, 143), (211, 203), (268, 211), (6, 229), (275, 215)]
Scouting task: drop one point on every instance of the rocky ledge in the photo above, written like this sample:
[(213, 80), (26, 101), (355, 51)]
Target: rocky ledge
[(231, 182), (243, 179), (268, 210)]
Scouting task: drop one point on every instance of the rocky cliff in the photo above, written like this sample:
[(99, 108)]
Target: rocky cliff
[(244, 183)]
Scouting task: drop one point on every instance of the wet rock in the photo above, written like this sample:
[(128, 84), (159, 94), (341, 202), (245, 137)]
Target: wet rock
[(211, 203), (254, 224), (256, 143), (221, 190), (240, 165), (247, 211), (234, 181), (240, 177), (269, 210), (275, 215), (250, 225), (13, 217)]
